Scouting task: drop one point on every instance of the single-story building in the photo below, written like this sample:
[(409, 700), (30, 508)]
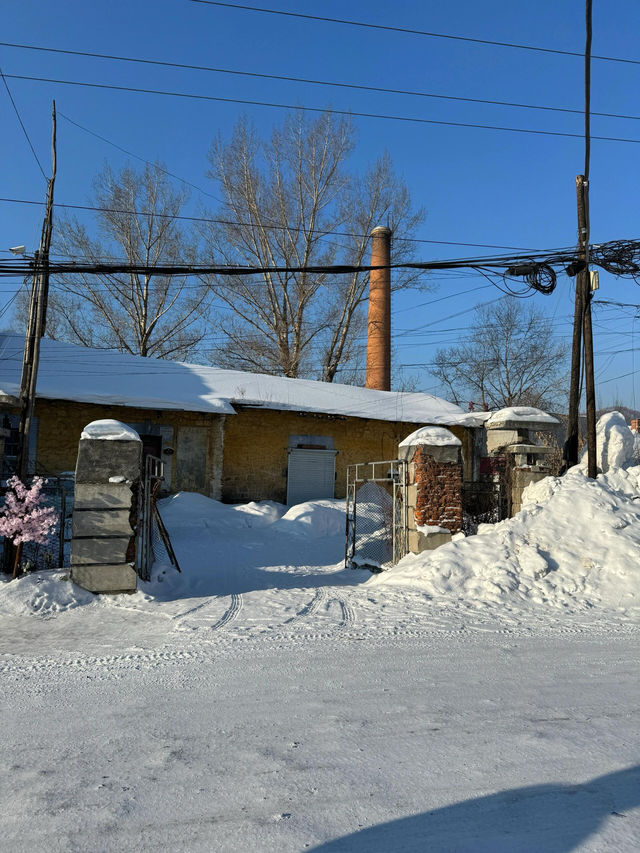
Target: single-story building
[(228, 434)]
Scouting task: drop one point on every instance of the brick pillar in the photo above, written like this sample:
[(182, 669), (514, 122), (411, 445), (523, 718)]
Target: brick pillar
[(435, 490), (379, 321)]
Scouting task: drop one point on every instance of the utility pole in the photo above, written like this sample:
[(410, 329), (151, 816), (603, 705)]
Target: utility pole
[(37, 320), (582, 328)]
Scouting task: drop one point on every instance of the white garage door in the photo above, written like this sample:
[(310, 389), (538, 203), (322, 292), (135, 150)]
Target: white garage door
[(311, 475)]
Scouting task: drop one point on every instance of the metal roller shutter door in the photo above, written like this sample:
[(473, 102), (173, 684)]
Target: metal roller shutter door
[(310, 475)]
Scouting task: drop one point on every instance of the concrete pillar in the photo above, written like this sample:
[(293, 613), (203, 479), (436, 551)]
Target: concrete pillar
[(105, 511), (379, 321)]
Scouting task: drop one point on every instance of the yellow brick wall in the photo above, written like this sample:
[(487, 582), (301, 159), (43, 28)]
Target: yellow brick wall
[(61, 422), (257, 440)]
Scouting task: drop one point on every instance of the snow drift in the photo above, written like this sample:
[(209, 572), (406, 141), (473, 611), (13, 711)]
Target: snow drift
[(576, 544)]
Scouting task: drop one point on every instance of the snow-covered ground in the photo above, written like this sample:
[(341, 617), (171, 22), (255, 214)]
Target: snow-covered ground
[(482, 698)]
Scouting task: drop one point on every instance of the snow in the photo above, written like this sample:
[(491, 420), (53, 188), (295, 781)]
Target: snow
[(521, 413), (431, 528), (574, 545), (432, 436), (481, 699), (69, 372), (107, 429), (615, 443)]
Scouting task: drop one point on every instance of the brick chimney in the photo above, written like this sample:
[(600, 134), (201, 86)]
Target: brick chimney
[(379, 323)]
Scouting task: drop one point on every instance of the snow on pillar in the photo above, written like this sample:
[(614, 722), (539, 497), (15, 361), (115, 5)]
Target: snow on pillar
[(434, 495), (105, 511)]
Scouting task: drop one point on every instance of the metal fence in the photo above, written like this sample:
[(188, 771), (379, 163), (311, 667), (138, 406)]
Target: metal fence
[(53, 554), (376, 520), (482, 503)]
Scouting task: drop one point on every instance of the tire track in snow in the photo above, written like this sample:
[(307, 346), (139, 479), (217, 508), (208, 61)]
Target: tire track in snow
[(231, 614), (348, 614), (311, 608)]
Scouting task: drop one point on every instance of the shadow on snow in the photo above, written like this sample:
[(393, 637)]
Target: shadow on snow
[(550, 818)]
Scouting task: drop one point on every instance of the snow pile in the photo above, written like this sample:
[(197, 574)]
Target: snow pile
[(315, 519), (575, 544), (433, 436), (42, 593), (615, 443), (193, 510), (109, 430)]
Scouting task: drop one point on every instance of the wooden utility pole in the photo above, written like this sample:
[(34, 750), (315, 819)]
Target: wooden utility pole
[(582, 328), (37, 320)]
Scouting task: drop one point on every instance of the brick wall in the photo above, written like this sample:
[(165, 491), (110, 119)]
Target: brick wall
[(61, 422), (256, 442), (246, 453), (439, 491)]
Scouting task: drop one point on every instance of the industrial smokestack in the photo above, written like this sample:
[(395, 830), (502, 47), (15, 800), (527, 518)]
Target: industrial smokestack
[(379, 323)]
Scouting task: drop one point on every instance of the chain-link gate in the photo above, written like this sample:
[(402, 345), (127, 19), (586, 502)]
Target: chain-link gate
[(376, 523)]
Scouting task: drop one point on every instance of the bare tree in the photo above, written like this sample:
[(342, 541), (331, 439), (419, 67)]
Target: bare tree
[(509, 358), (283, 199), (145, 314)]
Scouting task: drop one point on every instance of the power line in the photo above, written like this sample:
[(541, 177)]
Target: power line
[(324, 110), (136, 156), (93, 208), (307, 80), (410, 31), (24, 129)]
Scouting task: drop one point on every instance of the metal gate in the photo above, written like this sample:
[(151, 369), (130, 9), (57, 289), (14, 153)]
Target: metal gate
[(483, 502), (151, 485), (153, 533), (376, 523)]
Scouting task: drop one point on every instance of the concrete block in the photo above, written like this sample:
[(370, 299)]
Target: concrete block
[(419, 542), (98, 460), (101, 550), (497, 438), (110, 578), (103, 496), (101, 522)]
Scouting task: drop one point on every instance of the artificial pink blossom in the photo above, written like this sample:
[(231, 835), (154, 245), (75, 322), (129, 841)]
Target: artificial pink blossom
[(22, 518)]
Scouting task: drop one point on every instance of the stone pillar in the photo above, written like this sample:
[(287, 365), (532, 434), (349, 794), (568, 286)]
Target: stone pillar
[(434, 495), (105, 511)]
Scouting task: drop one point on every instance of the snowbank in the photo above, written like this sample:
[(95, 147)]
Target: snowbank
[(615, 443), (109, 430), (575, 544), (316, 519), (191, 509)]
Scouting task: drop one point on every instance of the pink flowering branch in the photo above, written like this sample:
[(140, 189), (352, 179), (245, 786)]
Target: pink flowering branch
[(23, 518)]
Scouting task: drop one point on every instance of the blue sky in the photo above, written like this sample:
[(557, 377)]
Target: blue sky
[(478, 186)]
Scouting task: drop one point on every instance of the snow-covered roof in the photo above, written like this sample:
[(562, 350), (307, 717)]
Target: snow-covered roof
[(433, 436), (83, 374)]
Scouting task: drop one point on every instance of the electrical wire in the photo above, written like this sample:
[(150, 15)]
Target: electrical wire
[(24, 129), (306, 80), (323, 110), (206, 219), (409, 31)]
